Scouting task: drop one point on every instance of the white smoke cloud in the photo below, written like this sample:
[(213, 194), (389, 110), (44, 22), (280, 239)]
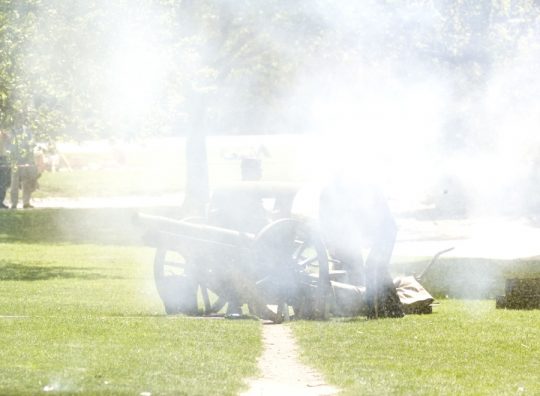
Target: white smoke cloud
[(386, 104), (392, 90)]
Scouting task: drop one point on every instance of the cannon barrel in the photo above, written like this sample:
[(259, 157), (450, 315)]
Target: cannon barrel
[(164, 229)]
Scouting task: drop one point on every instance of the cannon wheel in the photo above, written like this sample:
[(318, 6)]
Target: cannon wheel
[(295, 268), (178, 283), (179, 288)]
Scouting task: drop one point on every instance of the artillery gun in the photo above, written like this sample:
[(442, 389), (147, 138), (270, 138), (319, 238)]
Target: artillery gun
[(252, 248)]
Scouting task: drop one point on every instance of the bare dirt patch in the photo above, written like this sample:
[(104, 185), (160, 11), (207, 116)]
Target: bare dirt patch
[(281, 371)]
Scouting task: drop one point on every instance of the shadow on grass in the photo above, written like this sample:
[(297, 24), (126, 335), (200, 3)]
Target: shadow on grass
[(108, 226), (21, 272)]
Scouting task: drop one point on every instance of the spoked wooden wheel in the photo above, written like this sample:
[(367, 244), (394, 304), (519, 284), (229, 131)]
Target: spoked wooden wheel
[(177, 290), (311, 259), (179, 287), (294, 268)]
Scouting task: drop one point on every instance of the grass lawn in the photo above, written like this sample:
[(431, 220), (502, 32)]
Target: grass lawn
[(151, 180), (468, 277), (159, 168), (79, 315), (104, 226), (79, 312), (466, 347), (112, 182)]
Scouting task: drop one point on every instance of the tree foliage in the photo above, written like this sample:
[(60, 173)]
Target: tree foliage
[(237, 60), (80, 69)]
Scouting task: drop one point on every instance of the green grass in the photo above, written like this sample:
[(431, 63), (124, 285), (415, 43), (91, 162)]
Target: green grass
[(112, 182), (466, 347), (111, 226), (153, 180), (472, 278), (79, 314), (88, 354), (160, 168)]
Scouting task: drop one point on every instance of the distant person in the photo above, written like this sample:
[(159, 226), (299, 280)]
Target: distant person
[(355, 216), (24, 173), (239, 208), (5, 167), (40, 161), (53, 158), (251, 169)]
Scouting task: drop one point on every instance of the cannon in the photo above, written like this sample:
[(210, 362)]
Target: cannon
[(251, 249), (203, 264)]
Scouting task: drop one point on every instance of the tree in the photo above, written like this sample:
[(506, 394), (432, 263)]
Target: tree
[(231, 48), (197, 67)]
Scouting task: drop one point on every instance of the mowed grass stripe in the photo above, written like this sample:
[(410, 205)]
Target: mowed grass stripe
[(87, 319), (99, 355), (466, 347)]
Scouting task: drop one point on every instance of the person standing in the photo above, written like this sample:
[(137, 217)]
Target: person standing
[(251, 169), (24, 171), (354, 216), (5, 167)]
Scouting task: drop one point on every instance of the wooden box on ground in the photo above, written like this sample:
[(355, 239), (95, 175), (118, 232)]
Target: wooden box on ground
[(520, 294)]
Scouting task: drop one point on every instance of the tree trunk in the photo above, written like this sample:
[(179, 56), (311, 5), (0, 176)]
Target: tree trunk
[(197, 184)]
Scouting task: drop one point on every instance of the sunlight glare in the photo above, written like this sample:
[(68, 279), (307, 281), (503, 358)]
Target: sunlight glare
[(136, 75)]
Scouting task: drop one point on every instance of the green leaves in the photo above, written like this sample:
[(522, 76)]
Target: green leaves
[(241, 60)]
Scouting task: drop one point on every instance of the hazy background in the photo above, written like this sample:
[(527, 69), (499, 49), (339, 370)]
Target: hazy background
[(435, 100)]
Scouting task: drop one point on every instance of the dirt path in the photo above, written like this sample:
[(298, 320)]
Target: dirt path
[(282, 372)]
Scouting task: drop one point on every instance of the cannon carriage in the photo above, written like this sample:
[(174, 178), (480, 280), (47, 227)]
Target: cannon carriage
[(248, 250), (251, 249)]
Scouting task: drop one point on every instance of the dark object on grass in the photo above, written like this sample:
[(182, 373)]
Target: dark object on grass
[(520, 294)]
